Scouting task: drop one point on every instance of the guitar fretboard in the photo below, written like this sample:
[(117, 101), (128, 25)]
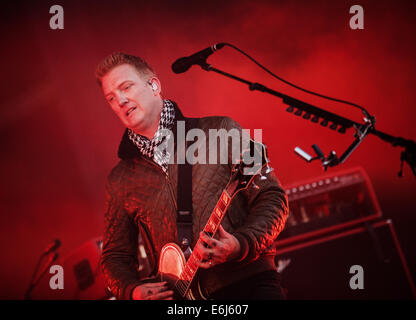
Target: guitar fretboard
[(211, 228)]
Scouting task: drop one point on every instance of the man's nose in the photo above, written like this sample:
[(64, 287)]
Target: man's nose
[(122, 100)]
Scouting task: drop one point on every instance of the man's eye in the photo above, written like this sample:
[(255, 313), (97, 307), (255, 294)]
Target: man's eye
[(110, 99), (127, 87)]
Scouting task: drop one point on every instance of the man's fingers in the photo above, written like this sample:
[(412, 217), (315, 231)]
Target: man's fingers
[(221, 232), (205, 253), (151, 289), (205, 238), (162, 295), (211, 242), (155, 284), (205, 265)]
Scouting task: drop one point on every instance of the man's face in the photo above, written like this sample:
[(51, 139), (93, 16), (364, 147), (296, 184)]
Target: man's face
[(132, 98)]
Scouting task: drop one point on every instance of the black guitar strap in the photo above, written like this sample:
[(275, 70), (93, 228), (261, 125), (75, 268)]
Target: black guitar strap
[(184, 220)]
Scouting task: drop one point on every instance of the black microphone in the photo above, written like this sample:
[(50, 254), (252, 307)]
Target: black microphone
[(318, 152), (183, 64), (52, 246)]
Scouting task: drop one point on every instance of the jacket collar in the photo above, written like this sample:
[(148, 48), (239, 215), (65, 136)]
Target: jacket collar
[(127, 149)]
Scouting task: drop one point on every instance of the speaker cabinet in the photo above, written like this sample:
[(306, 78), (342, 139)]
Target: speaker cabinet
[(320, 268)]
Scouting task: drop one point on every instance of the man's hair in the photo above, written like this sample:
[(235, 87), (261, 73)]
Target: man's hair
[(119, 58)]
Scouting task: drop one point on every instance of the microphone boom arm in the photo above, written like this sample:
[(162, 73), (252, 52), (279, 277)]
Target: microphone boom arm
[(362, 130)]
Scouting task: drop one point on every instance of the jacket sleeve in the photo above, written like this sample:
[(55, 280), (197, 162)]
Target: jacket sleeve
[(267, 213), (119, 256)]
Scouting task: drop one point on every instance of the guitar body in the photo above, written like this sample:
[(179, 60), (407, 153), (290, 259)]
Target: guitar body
[(172, 263)]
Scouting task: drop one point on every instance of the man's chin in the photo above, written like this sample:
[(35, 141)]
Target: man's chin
[(135, 126)]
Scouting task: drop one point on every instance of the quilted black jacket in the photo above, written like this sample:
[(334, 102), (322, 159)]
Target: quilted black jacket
[(141, 199)]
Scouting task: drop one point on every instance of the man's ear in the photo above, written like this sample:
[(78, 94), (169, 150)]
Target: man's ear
[(155, 85)]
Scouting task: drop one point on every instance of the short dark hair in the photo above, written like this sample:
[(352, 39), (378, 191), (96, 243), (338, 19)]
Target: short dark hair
[(119, 58)]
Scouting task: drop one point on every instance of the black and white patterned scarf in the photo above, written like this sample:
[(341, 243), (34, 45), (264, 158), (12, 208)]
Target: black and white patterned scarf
[(149, 148)]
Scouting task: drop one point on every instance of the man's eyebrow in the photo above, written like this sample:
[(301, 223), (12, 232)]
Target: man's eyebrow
[(120, 85)]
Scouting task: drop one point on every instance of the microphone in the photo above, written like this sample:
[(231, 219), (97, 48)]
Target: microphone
[(183, 64), (318, 152), (52, 247)]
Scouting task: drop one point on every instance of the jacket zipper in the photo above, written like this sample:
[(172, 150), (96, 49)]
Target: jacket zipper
[(172, 194)]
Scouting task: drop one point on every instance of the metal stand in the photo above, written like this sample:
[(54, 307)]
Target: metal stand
[(335, 122)]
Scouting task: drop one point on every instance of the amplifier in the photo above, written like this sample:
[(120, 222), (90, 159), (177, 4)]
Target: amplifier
[(364, 262), (329, 203)]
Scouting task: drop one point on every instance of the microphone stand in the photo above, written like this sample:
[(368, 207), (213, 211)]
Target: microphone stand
[(315, 114), (34, 282)]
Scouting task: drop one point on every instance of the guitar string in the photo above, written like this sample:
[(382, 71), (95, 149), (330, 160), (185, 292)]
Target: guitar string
[(178, 287), (181, 287), (180, 284), (222, 206)]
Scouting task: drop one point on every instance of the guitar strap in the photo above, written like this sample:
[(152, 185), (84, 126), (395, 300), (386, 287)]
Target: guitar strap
[(184, 217)]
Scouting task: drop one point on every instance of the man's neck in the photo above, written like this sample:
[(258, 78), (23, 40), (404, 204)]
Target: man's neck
[(150, 132)]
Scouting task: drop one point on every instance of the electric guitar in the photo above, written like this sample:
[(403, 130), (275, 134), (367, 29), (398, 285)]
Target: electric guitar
[(173, 267)]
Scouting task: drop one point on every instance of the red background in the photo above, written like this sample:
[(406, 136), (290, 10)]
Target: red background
[(60, 138)]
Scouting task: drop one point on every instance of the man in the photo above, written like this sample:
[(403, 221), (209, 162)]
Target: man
[(238, 263)]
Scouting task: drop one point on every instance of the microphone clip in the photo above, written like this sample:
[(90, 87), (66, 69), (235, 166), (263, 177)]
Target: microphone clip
[(332, 159), (329, 161)]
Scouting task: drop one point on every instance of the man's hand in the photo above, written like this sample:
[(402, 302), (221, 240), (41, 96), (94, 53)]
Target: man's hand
[(226, 248), (152, 291)]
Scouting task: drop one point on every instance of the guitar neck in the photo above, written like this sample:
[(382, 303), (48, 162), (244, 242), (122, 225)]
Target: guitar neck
[(214, 221), (242, 176)]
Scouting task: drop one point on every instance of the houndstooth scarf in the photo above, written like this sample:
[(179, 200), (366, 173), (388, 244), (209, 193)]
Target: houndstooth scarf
[(149, 148)]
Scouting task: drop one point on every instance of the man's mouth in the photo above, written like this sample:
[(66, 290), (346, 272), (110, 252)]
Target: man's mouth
[(130, 111)]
